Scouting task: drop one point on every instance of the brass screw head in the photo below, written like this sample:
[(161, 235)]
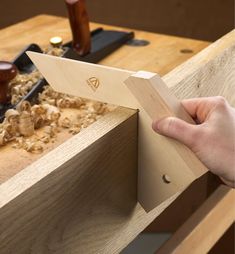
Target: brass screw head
[(56, 41)]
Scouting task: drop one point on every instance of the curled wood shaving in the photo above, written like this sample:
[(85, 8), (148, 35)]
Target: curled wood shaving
[(22, 84), (65, 123), (49, 96), (26, 124), (3, 137), (24, 106), (52, 113), (33, 147), (54, 51), (75, 129), (30, 145), (51, 131)]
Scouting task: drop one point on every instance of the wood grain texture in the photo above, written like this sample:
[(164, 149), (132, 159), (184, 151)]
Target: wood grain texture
[(209, 73), (206, 226), (75, 195), (44, 209), (79, 198), (162, 55)]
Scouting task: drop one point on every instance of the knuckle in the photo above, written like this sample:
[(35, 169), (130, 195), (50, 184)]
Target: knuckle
[(220, 102)]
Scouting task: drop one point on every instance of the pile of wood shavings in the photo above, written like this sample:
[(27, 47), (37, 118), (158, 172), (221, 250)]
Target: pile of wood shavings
[(22, 84), (48, 117), (20, 124)]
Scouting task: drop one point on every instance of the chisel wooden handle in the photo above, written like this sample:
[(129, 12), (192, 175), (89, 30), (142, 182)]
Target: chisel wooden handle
[(8, 71), (79, 22)]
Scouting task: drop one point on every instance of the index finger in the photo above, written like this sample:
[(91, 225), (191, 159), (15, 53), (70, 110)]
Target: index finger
[(200, 108)]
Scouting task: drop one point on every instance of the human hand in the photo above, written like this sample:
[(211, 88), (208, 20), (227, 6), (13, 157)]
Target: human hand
[(212, 139)]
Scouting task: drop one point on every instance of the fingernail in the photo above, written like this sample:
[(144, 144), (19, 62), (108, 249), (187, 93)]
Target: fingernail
[(155, 126)]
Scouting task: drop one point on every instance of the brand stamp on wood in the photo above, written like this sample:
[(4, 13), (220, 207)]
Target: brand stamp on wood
[(94, 83)]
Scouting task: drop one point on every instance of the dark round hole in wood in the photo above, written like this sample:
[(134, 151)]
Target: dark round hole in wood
[(166, 178), (186, 51)]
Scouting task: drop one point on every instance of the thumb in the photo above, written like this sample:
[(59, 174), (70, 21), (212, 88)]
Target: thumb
[(177, 129)]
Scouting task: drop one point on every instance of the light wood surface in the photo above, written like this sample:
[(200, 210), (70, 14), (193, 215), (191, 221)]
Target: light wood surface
[(156, 174), (62, 75), (153, 161), (76, 204), (161, 55), (206, 226), (155, 97), (209, 73)]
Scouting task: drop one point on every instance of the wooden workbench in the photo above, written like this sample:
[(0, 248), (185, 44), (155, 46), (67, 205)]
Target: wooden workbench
[(162, 55)]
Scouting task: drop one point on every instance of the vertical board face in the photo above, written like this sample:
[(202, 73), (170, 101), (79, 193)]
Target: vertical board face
[(73, 199)]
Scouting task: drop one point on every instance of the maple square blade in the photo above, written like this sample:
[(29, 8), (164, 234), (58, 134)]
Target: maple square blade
[(85, 80)]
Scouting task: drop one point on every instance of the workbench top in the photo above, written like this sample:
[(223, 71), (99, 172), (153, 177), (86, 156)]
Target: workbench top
[(162, 54)]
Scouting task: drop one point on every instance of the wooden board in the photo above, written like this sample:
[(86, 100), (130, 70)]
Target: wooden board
[(46, 209), (206, 226), (209, 73), (160, 157)]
